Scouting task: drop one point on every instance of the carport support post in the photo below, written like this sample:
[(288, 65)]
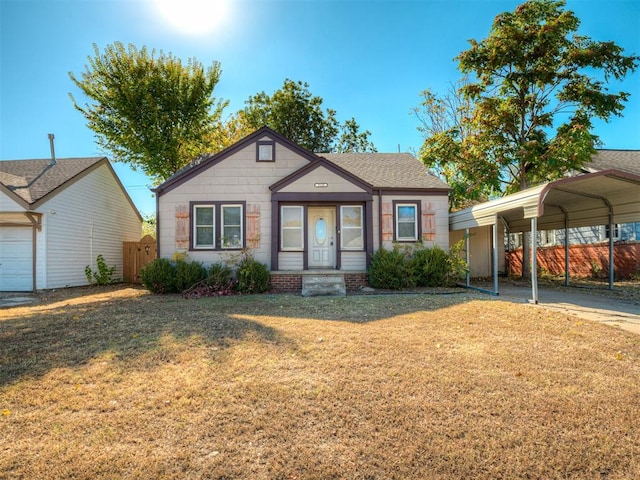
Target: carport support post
[(566, 250), (494, 234), (611, 249), (534, 259), (467, 256)]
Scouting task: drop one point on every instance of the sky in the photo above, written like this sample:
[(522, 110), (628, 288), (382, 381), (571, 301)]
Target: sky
[(367, 59)]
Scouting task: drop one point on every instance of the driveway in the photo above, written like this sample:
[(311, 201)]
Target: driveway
[(578, 302)]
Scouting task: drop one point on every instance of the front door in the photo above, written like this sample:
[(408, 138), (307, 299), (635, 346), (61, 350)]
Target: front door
[(322, 230)]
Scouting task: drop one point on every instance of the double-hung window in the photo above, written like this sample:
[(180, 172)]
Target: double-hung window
[(217, 226), (351, 228), (231, 226), (204, 226), (406, 216), (291, 236)]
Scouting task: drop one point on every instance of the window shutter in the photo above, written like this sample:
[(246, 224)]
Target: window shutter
[(428, 222), (253, 225), (387, 222), (182, 227)]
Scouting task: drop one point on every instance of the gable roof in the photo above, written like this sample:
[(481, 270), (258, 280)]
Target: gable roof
[(625, 160), (32, 182), (388, 170), (206, 161)]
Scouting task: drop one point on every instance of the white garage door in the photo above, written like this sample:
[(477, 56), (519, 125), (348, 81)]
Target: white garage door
[(15, 259)]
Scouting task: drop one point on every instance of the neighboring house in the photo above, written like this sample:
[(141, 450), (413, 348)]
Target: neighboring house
[(56, 217), (623, 160), (299, 212)]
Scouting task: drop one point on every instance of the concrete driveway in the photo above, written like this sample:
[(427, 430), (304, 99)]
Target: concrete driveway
[(580, 303)]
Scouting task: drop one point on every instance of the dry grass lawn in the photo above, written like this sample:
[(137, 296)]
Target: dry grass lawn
[(118, 383)]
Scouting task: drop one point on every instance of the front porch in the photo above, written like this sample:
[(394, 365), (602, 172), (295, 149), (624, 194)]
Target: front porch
[(291, 281)]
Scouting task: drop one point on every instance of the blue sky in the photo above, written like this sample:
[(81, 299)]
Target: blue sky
[(366, 59)]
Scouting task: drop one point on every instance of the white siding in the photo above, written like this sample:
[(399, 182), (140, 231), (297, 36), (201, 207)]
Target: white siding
[(237, 178), (7, 204), (354, 261), (290, 261), (91, 217), (322, 175)]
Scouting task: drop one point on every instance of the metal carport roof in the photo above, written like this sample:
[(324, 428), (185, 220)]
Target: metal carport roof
[(604, 197)]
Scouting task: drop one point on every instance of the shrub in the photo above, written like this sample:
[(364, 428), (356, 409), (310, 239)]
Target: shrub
[(218, 275), (252, 276), (390, 269), (431, 267), (103, 275), (188, 274), (159, 276)]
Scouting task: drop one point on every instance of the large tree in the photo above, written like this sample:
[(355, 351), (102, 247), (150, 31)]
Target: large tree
[(296, 114), (149, 109), (535, 87)]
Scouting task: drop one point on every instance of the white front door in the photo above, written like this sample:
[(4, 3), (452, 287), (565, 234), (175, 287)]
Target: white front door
[(322, 231)]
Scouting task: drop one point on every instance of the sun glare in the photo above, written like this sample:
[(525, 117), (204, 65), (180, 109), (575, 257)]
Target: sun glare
[(193, 17)]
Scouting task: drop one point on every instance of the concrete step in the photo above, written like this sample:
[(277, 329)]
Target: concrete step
[(317, 285)]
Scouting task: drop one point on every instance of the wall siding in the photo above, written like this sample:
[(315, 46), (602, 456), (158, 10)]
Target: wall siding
[(228, 181), (92, 217)]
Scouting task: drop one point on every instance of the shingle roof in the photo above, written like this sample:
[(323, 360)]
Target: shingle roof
[(387, 170), (626, 160), (32, 180)]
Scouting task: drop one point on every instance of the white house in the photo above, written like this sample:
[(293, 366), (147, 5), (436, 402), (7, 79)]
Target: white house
[(56, 217)]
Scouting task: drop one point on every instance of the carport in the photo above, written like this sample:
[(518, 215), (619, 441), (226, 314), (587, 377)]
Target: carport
[(605, 197)]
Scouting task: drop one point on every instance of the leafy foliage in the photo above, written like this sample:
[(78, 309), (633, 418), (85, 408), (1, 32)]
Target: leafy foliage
[(188, 274), (149, 110), (416, 266), (530, 106), (159, 276), (296, 114), (252, 276), (103, 274)]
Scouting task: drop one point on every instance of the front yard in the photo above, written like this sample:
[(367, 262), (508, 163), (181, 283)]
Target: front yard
[(118, 383)]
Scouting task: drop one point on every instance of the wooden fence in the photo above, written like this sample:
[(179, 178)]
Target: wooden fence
[(136, 255)]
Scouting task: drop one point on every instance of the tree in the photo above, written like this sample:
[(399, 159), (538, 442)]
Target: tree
[(297, 115), (533, 74), (149, 110), (352, 140)]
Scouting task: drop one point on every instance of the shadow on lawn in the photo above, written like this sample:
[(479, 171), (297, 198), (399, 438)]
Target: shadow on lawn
[(71, 330), (69, 333)]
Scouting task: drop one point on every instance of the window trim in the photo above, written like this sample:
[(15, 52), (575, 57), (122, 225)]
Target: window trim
[(222, 226), (417, 227), (361, 227), (217, 225), (194, 233), (263, 143), (301, 208)]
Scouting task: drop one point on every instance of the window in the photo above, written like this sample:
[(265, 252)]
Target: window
[(351, 231), (291, 234), (616, 231), (217, 225), (203, 226), (406, 222), (266, 151), (231, 226)]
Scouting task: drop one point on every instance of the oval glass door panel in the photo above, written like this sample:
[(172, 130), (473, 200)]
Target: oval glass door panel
[(321, 231)]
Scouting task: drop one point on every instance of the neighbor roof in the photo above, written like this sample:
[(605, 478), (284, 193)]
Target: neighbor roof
[(625, 160), (387, 170), (31, 180)]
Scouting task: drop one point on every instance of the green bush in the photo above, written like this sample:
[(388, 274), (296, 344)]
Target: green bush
[(188, 274), (103, 274), (390, 269), (431, 267), (252, 276), (218, 275), (159, 276)]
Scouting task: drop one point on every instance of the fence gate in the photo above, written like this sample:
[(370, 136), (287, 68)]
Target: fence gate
[(136, 255)]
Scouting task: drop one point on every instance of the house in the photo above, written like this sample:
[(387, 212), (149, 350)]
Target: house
[(56, 217), (299, 212)]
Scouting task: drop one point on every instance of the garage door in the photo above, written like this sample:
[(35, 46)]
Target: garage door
[(15, 259)]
